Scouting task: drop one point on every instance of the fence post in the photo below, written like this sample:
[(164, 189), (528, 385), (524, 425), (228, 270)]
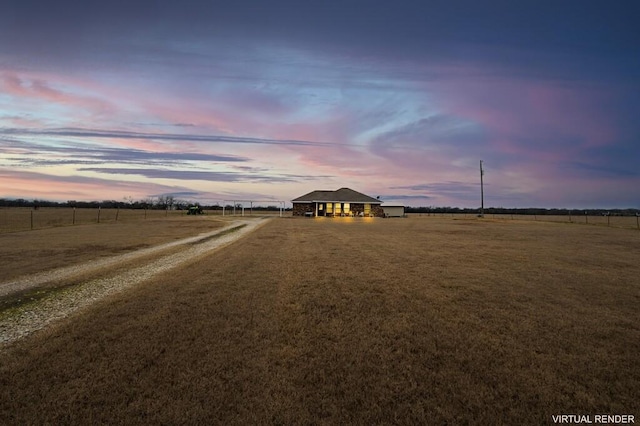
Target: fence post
[(99, 214), (73, 221), (117, 211), (32, 220), (638, 220)]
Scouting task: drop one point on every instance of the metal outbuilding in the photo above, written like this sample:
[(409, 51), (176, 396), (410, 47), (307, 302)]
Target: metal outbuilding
[(393, 210)]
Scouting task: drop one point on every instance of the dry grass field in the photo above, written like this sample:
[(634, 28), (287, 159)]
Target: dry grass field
[(630, 222), (25, 218), (354, 321), (28, 252)]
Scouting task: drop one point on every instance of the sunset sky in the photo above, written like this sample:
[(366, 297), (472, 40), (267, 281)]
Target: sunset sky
[(268, 100)]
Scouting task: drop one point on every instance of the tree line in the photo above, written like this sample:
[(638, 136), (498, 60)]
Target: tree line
[(525, 211), (137, 204), (165, 202)]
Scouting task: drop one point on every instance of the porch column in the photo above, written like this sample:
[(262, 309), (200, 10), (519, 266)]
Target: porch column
[(316, 209)]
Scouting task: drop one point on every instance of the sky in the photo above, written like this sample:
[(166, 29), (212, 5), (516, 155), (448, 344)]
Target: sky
[(212, 101)]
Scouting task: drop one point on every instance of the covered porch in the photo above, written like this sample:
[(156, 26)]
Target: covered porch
[(337, 209)]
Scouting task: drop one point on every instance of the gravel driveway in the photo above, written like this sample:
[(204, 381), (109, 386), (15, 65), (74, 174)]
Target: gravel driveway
[(30, 318)]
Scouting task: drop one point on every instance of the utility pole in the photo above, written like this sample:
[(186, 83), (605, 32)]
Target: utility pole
[(481, 191)]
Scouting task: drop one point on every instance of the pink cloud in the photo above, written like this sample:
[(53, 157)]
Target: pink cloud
[(515, 111), (34, 88), (579, 110), (13, 86), (22, 121), (25, 184)]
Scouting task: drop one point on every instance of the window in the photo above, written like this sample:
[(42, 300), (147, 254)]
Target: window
[(346, 208), (337, 208), (329, 207), (367, 209)]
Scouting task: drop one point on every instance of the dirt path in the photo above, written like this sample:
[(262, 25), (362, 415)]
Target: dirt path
[(30, 318)]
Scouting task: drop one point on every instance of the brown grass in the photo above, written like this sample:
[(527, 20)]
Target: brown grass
[(27, 252), (14, 219), (630, 222), (421, 320), (24, 218)]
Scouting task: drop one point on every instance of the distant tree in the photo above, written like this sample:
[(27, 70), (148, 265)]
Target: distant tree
[(146, 203), (166, 201), (182, 204)]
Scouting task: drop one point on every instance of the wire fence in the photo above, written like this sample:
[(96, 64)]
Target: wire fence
[(14, 219), (628, 222), (26, 218)]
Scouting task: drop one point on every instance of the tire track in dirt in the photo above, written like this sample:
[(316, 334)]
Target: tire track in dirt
[(68, 301), (67, 272)]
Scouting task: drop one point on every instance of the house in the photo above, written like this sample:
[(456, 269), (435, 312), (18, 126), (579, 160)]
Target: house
[(393, 210), (342, 202)]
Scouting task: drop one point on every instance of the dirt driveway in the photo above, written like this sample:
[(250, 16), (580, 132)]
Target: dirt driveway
[(28, 252), (31, 302)]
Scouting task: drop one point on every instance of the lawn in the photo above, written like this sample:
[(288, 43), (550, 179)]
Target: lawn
[(351, 320)]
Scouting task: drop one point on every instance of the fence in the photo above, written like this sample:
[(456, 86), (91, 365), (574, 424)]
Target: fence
[(25, 218), (601, 220)]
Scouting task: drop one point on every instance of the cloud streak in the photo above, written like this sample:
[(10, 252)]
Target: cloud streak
[(200, 175), (27, 152), (116, 134)]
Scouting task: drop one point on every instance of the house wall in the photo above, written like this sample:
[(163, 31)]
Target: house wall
[(358, 208), (299, 209), (377, 211)]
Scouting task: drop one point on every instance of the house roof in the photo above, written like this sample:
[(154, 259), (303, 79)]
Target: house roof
[(342, 195)]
